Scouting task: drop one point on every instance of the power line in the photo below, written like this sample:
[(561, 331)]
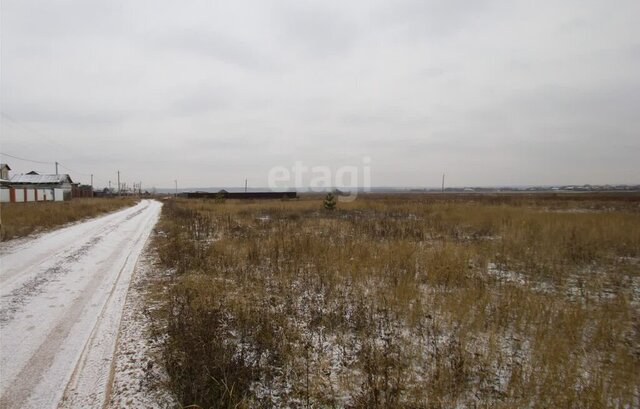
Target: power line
[(52, 142), (35, 132), (81, 173), (74, 171), (26, 160), (51, 163)]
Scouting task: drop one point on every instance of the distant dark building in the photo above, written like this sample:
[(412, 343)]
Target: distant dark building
[(81, 191), (239, 195)]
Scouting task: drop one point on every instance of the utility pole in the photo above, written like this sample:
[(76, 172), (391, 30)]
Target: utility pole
[(118, 183), (139, 188), (56, 168), (92, 185), (245, 185), (176, 181), (443, 183)]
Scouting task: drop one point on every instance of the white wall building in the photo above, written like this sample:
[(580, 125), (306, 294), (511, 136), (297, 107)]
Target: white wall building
[(33, 187)]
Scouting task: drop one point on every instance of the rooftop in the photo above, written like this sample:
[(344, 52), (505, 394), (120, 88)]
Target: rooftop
[(40, 179)]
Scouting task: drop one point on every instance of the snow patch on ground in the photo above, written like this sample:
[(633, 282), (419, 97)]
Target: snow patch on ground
[(139, 381), (506, 275)]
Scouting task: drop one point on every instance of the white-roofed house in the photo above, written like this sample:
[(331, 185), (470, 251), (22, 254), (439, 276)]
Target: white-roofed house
[(34, 187)]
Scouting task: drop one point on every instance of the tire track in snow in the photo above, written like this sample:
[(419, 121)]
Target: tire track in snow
[(21, 262), (50, 338), (90, 382), (10, 303)]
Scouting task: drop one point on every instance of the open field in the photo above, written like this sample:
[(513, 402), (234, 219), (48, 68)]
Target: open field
[(403, 301), (21, 219)]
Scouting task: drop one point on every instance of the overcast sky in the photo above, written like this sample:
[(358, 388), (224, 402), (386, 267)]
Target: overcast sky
[(213, 92)]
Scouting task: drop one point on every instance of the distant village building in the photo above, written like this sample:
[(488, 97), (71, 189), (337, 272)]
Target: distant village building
[(223, 194), (34, 180), (81, 190), (34, 187)]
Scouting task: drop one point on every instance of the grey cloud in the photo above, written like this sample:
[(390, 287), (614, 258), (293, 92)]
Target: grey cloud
[(217, 46), (433, 72), (316, 31), (38, 112), (48, 21), (431, 18), (213, 142), (389, 118), (202, 99), (611, 109), (213, 92)]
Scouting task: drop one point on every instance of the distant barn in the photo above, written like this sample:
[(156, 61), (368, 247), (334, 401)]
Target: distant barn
[(239, 195)]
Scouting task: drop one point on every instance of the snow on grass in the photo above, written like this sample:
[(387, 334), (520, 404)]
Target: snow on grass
[(139, 380)]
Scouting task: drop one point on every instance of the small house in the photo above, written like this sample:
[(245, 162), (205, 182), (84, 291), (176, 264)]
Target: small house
[(34, 187)]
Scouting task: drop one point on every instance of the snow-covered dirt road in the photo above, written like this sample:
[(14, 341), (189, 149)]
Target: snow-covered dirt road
[(61, 300)]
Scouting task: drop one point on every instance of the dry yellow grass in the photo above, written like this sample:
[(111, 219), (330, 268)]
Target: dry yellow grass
[(21, 219), (404, 301)]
